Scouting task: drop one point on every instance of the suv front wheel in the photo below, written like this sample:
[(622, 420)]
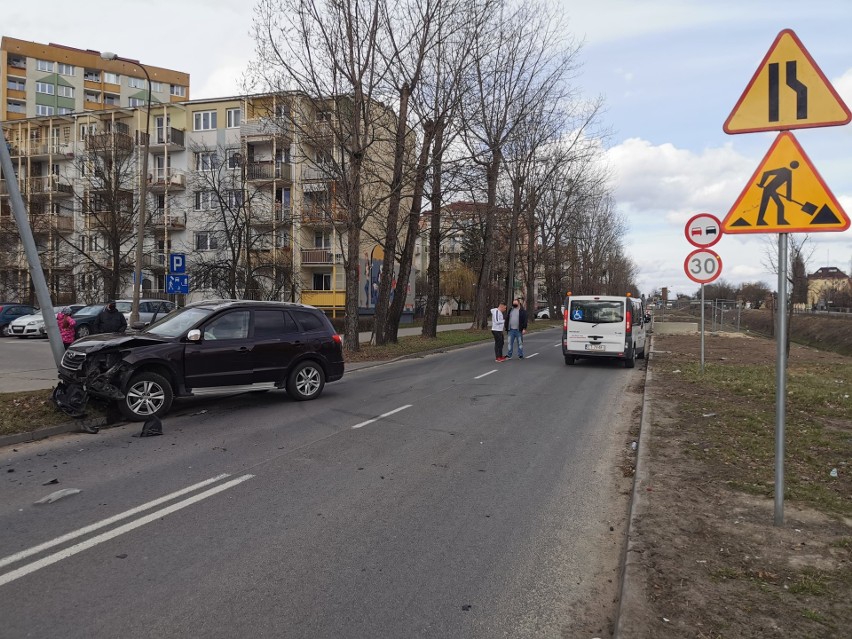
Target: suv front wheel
[(147, 395), (306, 381)]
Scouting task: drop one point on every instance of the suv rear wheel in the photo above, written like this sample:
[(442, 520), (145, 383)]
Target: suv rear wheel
[(147, 395), (306, 381)]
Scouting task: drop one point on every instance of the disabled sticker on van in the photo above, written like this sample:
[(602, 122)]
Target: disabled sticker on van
[(577, 314)]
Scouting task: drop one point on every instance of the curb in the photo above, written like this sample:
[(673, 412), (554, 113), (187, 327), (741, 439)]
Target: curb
[(50, 431), (631, 584)]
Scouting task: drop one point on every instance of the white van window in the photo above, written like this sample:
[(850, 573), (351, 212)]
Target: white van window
[(596, 311)]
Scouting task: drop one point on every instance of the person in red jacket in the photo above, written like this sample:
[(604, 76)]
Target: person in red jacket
[(66, 326)]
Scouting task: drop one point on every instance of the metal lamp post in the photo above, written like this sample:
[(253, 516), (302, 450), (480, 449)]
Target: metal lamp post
[(143, 191)]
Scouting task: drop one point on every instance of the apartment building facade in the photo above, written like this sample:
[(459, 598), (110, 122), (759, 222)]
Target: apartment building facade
[(52, 79), (241, 186)]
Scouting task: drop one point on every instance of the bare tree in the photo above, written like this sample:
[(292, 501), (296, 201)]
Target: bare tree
[(519, 62), (328, 52), (242, 246), (104, 250)]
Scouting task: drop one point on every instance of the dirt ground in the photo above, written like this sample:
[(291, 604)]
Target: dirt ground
[(707, 559)]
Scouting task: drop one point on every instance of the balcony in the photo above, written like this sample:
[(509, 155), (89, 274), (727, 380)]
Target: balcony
[(156, 262), (281, 257), (266, 128), (44, 223), (320, 256), (323, 299), (168, 138), (268, 171), (109, 142), (49, 185), (318, 216), (160, 221), (167, 179), (314, 173)]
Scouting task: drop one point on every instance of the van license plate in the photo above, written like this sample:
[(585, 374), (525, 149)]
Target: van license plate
[(594, 347)]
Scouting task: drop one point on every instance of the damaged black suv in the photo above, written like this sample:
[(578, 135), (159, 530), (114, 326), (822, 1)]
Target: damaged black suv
[(203, 345)]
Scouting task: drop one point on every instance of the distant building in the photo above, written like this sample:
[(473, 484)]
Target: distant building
[(53, 79), (827, 287)]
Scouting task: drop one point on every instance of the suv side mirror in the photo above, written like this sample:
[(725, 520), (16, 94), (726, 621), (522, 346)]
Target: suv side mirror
[(194, 335)]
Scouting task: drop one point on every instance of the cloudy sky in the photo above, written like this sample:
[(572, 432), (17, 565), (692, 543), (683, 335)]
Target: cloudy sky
[(670, 71)]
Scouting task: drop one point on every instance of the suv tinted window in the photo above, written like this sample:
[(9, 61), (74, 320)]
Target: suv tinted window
[(233, 325), (309, 321), (271, 324)]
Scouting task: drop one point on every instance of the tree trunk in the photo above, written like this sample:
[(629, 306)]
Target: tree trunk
[(392, 223), (433, 297), (484, 282)]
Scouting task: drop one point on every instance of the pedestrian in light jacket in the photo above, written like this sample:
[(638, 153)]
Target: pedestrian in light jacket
[(498, 323)]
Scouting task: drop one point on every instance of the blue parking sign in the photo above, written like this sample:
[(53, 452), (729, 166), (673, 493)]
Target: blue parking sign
[(177, 263), (177, 284)]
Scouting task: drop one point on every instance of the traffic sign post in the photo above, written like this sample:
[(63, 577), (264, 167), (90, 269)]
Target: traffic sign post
[(177, 284), (786, 194), (702, 266), (703, 230), (788, 91)]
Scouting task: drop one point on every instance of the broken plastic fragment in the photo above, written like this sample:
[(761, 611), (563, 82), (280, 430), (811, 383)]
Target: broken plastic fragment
[(59, 494), (833, 473)]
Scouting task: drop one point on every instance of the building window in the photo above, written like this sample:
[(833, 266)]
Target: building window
[(206, 241), (204, 200), (157, 86), (45, 87), (42, 109), (204, 120), (15, 107), (65, 92), (206, 161), (322, 281), (112, 78), (177, 90), (66, 69), (64, 110), (324, 157), (135, 83), (16, 84), (233, 118), (235, 199), (322, 240), (136, 102), (114, 100), (92, 76), (234, 158), (44, 65), (17, 62), (93, 97)]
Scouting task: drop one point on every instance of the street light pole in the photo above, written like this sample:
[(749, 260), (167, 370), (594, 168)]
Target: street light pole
[(143, 191)]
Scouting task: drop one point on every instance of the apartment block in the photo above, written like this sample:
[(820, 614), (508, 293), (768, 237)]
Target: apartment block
[(242, 186), (53, 79)]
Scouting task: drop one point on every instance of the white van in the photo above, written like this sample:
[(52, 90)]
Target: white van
[(603, 326)]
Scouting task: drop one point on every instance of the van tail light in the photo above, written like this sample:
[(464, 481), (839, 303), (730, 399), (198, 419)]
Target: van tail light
[(336, 337), (565, 320), (629, 323)]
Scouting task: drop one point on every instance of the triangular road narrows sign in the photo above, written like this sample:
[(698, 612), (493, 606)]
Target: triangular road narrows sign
[(786, 194), (788, 91)]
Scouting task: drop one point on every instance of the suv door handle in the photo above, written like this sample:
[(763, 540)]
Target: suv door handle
[(243, 349)]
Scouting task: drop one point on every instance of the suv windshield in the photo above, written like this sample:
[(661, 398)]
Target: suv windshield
[(178, 322), (597, 311)]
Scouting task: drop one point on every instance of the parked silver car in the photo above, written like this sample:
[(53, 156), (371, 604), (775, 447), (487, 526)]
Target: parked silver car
[(148, 309)]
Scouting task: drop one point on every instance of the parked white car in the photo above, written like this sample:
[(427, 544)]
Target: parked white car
[(545, 313), (33, 325), (149, 309)]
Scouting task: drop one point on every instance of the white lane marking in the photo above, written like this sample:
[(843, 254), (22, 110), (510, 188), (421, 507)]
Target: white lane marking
[(485, 374), (559, 344), (530, 356), (115, 532), (106, 522), (388, 414)]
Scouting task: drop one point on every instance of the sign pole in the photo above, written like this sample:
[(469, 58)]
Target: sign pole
[(780, 378), (702, 328)]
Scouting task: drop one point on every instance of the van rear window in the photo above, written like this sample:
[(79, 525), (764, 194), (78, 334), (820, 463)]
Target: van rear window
[(596, 311)]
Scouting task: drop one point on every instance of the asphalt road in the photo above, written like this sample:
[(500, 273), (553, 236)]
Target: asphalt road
[(445, 496)]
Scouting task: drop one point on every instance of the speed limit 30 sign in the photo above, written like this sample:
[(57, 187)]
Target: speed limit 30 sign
[(703, 266)]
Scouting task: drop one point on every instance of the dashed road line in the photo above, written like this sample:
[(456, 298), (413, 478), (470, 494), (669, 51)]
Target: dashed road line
[(485, 374), (388, 414)]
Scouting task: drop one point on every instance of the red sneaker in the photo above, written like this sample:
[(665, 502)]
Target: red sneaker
[(501, 359)]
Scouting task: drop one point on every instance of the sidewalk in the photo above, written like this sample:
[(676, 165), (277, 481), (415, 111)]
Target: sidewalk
[(40, 373)]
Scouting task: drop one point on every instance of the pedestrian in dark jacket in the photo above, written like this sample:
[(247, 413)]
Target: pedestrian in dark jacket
[(110, 320), (516, 324)]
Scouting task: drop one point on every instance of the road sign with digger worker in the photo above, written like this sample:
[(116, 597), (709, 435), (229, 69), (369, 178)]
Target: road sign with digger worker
[(786, 194)]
